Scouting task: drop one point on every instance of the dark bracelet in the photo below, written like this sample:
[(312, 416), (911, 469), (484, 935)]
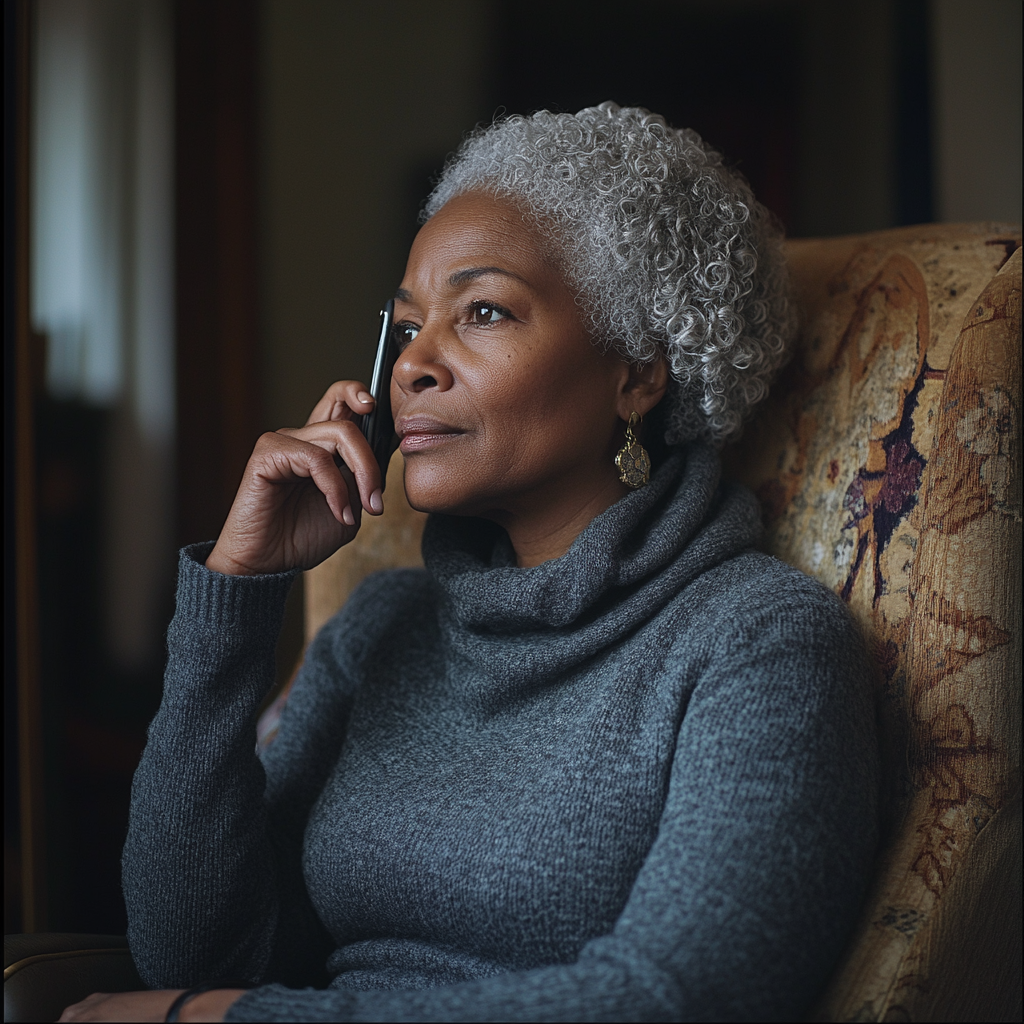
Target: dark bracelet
[(175, 1008)]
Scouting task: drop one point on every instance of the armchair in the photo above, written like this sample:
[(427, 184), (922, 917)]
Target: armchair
[(43, 973), (887, 460)]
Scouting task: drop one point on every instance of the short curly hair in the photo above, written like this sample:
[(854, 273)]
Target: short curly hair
[(667, 249)]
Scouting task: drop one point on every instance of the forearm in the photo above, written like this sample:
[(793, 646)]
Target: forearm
[(600, 987), (210, 1006), (199, 872)]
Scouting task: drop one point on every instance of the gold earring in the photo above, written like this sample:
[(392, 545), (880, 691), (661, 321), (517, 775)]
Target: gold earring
[(632, 460)]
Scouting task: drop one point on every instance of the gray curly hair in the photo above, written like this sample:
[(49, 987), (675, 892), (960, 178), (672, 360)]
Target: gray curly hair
[(666, 248)]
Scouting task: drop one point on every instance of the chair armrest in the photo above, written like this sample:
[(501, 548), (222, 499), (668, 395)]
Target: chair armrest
[(46, 972)]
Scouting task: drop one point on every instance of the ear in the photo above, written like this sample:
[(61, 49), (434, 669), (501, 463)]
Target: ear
[(642, 388)]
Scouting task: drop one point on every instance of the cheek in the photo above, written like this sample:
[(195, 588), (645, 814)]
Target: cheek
[(545, 410), (534, 417), (510, 392)]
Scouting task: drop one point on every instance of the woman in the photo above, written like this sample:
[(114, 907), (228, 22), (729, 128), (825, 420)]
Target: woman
[(601, 759)]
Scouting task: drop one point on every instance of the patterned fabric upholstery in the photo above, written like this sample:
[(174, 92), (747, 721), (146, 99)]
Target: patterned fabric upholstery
[(887, 460), (888, 464)]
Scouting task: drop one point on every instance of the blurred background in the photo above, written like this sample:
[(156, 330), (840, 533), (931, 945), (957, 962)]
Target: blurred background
[(207, 201)]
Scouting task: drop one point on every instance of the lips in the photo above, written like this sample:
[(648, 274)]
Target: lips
[(419, 433)]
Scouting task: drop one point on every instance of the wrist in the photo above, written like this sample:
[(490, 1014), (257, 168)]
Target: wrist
[(219, 561), (210, 1006)]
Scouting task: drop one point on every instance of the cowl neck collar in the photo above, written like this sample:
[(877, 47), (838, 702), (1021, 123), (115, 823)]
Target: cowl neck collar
[(628, 563)]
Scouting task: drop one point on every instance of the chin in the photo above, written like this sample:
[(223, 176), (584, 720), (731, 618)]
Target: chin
[(434, 485)]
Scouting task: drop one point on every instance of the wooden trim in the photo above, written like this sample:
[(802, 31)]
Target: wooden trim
[(30, 758), (28, 961), (218, 405)]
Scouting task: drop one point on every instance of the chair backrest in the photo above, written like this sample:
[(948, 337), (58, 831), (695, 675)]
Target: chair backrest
[(887, 461)]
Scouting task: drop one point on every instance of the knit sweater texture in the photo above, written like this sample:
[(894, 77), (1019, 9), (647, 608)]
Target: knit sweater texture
[(635, 783)]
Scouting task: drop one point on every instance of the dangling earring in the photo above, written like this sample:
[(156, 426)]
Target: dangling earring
[(632, 460)]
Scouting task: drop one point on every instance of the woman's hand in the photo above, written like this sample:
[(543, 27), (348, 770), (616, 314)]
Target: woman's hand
[(152, 1006), (295, 505)]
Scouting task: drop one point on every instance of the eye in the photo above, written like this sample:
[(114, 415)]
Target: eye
[(484, 314), (405, 333)]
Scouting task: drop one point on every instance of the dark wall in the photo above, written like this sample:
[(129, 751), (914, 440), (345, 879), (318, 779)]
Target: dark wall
[(216, 265), (731, 72), (794, 93)]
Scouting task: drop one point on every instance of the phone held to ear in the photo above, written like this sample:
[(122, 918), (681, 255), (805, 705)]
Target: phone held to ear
[(378, 427)]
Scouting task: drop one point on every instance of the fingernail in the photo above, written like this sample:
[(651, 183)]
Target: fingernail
[(376, 501), (348, 516), (364, 397)]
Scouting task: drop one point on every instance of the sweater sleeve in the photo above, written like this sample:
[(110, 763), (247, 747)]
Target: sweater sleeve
[(755, 878), (211, 867)]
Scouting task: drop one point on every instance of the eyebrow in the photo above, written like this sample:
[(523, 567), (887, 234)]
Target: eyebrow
[(460, 277)]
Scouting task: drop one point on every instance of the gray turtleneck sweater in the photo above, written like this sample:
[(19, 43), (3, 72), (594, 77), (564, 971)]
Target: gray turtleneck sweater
[(637, 782)]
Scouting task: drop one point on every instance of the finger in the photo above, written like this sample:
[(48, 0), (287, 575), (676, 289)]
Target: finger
[(341, 401), (346, 439), (77, 1010), (291, 457), (353, 492)]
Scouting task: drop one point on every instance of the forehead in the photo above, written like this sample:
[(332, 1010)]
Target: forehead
[(477, 228)]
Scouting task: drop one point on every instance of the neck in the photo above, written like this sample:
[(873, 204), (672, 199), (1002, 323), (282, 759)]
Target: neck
[(545, 527)]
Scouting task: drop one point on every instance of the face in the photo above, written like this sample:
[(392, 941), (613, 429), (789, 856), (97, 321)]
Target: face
[(501, 400)]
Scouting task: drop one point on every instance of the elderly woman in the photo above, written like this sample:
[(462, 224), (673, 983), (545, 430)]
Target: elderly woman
[(601, 759)]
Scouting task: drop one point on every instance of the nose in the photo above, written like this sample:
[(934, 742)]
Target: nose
[(421, 365)]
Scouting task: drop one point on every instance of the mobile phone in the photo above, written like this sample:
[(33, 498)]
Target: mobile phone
[(378, 426)]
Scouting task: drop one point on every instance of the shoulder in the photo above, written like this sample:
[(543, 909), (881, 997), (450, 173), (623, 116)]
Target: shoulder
[(754, 592), (784, 664), (770, 628)]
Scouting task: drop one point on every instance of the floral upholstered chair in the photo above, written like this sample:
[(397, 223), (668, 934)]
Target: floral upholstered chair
[(888, 464)]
